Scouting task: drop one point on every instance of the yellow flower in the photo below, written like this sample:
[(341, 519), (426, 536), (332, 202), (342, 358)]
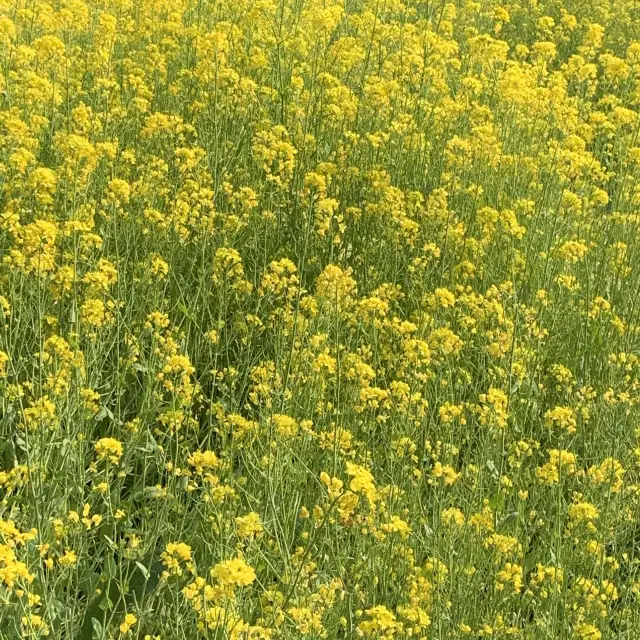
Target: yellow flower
[(582, 512), (249, 526), (33, 624), (203, 461), (11, 569), (128, 622), (174, 556), (585, 631), (109, 449), (159, 267), (397, 525), (4, 358), (68, 559), (233, 573), (561, 418), (381, 623), (94, 313), (285, 425)]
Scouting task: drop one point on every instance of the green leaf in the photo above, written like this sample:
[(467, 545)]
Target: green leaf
[(509, 519), (103, 413), (143, 570), (97, 628)]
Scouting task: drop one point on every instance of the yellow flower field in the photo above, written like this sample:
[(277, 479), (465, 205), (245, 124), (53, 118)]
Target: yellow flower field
[(319, 319)]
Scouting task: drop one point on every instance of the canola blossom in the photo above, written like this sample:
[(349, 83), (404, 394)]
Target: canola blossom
[(319, 319)]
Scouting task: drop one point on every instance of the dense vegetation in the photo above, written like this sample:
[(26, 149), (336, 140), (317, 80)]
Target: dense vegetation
[(319, 319)]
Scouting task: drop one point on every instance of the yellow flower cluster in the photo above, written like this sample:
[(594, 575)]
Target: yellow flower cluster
[(319, 319)]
